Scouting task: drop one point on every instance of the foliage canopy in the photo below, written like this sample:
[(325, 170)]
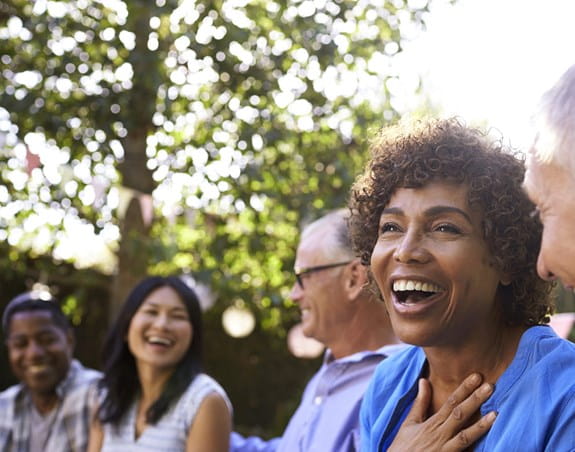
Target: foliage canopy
[(242, 119)]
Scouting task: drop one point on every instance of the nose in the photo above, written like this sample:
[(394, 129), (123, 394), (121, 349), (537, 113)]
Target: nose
[(161, 321), (542, 269), (296, 292), (411, 249), (34, 350)]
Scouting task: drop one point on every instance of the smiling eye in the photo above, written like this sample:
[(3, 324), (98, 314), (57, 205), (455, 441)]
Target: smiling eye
[(389, 227), (17, 343), (180, 317), (448, 228)]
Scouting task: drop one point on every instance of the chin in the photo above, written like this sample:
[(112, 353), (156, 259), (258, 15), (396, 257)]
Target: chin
[(418, 338), (42, 389)]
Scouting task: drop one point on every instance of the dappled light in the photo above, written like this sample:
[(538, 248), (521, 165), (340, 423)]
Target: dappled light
[(233, 88), (187, 137), (238, 321), (301, 346)]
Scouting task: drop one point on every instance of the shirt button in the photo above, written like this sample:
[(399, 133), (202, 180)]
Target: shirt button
[(318, 400)]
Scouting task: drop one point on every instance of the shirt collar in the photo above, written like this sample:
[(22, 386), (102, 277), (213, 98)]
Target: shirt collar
[(65, 384), (384, 351)]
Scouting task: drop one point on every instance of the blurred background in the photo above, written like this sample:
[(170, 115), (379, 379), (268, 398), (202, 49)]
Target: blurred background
[(196, 137)]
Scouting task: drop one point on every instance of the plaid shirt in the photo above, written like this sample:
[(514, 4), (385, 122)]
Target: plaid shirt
[(72, 423)]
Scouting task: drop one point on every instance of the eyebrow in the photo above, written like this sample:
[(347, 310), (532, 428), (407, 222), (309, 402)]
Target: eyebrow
[(430, 212)]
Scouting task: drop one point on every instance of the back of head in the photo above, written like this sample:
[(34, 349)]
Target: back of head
[(34, 301), (555, 123), (412, 155)]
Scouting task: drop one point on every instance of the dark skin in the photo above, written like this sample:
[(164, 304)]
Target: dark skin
[(433, 234), (456, 426), (40, 353)]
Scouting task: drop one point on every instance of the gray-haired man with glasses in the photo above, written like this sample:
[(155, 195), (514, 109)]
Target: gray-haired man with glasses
[(338, 310)]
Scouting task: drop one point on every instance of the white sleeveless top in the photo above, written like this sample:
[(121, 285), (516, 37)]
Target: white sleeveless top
[(171, 431)]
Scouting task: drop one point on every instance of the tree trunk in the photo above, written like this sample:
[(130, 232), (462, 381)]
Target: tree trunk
[(133, 253)]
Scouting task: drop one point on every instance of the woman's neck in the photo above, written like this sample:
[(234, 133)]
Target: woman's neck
[(490, 356), (152, 382)]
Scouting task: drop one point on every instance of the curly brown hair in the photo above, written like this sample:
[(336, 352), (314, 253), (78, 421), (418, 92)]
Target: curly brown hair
[(413, 155)]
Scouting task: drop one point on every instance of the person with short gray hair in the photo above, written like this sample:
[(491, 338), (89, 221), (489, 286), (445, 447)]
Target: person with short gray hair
[(550, 179), (339, 310)]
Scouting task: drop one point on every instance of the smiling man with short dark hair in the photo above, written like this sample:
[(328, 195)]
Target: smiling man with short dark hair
[(50, 409)]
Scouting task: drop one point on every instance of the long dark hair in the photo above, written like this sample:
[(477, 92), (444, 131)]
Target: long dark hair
[(120, 381)]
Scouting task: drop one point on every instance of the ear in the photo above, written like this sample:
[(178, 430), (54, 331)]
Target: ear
[(356, 279)]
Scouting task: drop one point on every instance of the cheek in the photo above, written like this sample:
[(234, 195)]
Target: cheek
[(62, 350), (15, 357), (378, 264), (552, 243), (376, 258), (136, 324), (132, 334), (190, 334), (186, 332), (63, 359)]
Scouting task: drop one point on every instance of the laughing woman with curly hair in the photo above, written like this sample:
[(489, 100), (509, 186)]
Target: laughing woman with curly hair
[(440, 218)]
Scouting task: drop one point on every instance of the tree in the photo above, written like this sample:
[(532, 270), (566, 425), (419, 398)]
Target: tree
[(239, 119), (242, 117)]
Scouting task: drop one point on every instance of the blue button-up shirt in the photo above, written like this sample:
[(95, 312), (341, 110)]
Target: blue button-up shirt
[(327, 419), (534, 398)]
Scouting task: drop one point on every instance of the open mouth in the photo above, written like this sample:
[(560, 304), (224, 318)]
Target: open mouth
[(158, 340), (410, 291), (38, 368)]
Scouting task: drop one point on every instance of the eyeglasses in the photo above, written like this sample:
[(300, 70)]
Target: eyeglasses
[(299, 272)]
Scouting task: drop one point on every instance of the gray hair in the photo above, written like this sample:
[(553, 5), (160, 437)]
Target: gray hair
[(337, 222), (555, 123)]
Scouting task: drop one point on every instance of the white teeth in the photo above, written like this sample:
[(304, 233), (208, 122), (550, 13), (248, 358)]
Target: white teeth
[(37, 368), (399, 285), (408, 284), (159, 340)]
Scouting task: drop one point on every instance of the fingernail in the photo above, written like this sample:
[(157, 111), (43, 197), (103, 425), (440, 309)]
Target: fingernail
[(486, 388), (491, 416), (474, 378)]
